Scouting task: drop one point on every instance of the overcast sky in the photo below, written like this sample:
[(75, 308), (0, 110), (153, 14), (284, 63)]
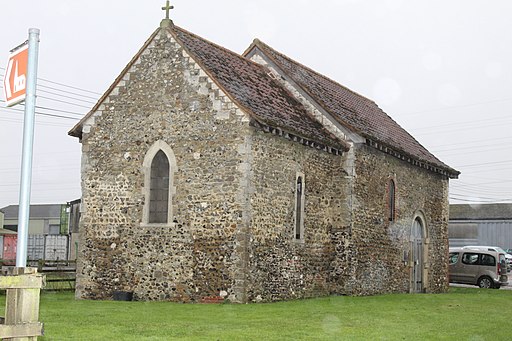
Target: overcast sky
[(441, 68)]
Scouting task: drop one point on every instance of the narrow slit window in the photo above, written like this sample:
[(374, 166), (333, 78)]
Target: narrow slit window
[(391, 200), (299, 209)]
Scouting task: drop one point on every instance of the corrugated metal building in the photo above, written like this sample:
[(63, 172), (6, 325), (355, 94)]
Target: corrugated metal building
[(482, 224)]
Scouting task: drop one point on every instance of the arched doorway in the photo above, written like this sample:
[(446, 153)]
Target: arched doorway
[(417, 242)]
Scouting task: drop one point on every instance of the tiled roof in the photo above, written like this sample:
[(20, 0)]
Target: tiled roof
[(352, 110), (250, 86)]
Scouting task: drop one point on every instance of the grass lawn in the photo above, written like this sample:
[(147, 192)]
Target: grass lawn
[(462, 314)]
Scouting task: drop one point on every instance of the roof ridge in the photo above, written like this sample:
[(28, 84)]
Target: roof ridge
[(258, 42), (218, 46)]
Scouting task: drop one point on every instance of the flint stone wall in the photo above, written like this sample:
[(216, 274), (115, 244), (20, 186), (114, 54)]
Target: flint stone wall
[(281, 267), (380, 245)]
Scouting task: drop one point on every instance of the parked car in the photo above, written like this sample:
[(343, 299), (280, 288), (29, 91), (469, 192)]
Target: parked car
[(484, 266)]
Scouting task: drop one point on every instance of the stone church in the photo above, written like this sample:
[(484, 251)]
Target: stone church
[(248, 178)]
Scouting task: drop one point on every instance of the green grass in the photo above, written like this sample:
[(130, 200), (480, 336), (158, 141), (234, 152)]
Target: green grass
[(462, 314)]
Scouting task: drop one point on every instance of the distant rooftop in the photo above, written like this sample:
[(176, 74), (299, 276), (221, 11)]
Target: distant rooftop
[(36, 211), (481, 211)]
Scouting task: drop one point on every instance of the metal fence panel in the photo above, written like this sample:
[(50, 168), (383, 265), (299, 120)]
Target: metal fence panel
[(56, 247), (35, 247)]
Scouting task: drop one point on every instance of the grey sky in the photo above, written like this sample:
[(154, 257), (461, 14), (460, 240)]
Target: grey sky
[(441, 68)]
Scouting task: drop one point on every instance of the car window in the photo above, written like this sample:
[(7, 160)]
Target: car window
[(487, 260), (470, 258), (454, 257), (500, 250)]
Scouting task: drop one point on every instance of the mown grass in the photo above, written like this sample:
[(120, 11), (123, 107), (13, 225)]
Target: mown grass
[(462, 314)]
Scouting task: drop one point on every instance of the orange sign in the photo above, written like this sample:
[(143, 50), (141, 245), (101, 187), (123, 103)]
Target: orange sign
[(15, 79)]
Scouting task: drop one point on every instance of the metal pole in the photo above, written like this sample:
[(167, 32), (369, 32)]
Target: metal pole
[(28, 144)]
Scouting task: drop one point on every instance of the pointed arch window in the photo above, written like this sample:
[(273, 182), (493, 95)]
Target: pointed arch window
[(159, 189), (159, 169), (391, 200)]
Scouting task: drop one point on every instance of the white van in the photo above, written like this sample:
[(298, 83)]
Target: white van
[(484, 266)]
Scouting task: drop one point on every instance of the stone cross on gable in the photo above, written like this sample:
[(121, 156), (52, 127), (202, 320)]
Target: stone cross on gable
[(167, 8)]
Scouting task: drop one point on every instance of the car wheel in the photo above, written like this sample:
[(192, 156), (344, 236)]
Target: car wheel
[(485, 282)]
